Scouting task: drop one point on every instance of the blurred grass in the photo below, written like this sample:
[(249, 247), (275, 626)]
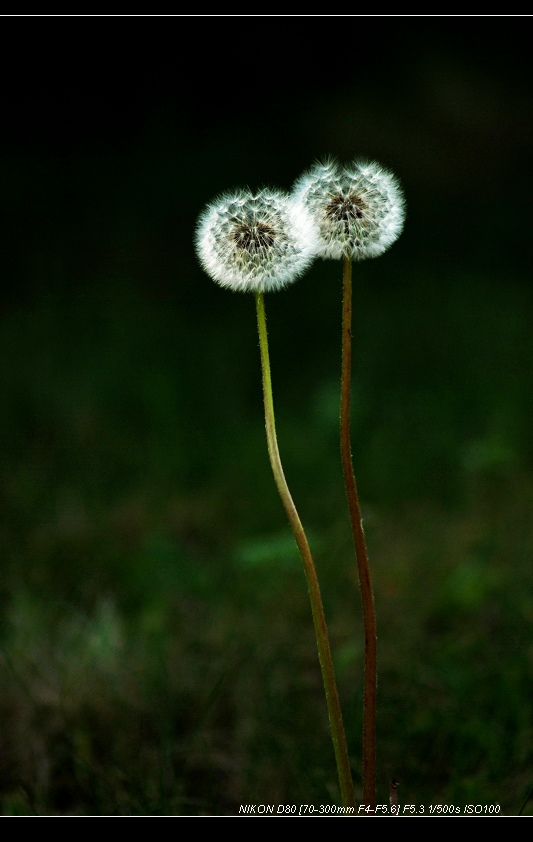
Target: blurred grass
[(157, 654)]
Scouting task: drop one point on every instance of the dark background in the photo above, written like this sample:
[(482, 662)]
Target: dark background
[(157, 651)]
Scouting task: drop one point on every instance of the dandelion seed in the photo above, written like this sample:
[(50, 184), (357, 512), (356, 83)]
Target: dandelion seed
[(359, 212), (256, 242), (358, 209)]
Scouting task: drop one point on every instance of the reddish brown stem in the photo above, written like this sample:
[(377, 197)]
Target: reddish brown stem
[(367, 596)]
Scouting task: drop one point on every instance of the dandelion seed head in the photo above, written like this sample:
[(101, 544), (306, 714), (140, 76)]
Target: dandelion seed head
[(255, 242), (359, 209)]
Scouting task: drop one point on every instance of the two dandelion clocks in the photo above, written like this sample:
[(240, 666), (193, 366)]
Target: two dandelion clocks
[(262, 242)]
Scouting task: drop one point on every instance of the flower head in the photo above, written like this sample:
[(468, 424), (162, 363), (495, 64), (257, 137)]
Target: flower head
[(359, 208), (255, 242)]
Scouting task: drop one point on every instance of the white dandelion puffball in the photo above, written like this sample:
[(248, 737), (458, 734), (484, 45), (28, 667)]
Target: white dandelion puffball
[(255, 242), (359, 208)]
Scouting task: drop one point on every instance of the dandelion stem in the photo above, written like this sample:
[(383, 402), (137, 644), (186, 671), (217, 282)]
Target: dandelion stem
[(319, 620), (367, 596)]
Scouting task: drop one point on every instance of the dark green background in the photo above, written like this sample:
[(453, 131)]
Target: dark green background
[(157, 648)]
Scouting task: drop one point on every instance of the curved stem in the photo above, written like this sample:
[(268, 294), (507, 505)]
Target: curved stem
[(367, 596), (319, 620)]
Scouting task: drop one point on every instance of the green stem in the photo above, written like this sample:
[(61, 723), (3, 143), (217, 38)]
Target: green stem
[(319, 620), (367, 596)]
